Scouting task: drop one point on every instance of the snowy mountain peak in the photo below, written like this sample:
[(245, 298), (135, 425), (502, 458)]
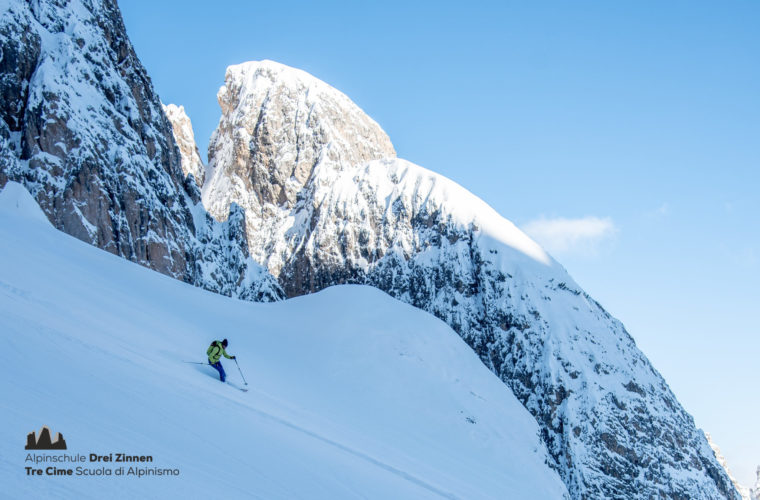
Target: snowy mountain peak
[(278, 125), (185, 138), (252, 76)]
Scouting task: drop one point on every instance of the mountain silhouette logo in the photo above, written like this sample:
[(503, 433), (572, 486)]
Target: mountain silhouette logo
[(44, 440)]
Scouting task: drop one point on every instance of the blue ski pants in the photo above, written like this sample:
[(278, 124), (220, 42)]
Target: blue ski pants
[(218, 366)]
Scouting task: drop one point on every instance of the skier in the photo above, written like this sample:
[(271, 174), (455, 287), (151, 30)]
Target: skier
[(215, 351)]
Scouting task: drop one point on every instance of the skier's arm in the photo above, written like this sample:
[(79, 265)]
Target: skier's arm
[(224, 352)]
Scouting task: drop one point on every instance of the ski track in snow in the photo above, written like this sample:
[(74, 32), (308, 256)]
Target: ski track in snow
[(404, 475)]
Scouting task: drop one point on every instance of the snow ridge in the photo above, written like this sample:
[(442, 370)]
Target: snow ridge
[(15, 199)]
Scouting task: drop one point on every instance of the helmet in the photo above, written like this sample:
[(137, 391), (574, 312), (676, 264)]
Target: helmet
[(224, 343)]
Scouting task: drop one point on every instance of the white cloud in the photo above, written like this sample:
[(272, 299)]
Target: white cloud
[(561, 236), (663, 210), (741, 256)]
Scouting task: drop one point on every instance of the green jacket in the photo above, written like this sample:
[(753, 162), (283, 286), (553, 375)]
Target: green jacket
[(216, 351)]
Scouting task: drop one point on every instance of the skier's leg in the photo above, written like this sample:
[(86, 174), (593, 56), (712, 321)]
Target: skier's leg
[(218, 367)]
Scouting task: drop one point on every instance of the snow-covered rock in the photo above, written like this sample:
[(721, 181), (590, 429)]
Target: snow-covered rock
[(754, 492), (185, 138), (83, 130), (278, 125), (327, 203)]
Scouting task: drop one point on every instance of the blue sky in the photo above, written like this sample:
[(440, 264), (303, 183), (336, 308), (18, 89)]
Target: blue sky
[(624, 136)]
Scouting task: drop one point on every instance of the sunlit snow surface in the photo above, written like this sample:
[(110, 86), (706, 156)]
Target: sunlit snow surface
[(352, 394)]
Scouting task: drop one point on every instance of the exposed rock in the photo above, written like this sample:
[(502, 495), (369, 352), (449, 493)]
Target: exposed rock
[(83, 130), (183, 134), (278, 125)]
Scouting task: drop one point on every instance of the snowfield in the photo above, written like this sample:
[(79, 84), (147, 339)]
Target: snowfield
[(352, 393)]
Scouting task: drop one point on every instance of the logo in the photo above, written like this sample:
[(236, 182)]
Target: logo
[(44, 440)]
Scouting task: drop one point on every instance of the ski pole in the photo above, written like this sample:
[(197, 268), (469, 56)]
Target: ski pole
[(194, 362), (241, 371)]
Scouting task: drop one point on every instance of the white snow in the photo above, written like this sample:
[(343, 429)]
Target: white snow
[(16, 199), (418, 183), (353, 394)]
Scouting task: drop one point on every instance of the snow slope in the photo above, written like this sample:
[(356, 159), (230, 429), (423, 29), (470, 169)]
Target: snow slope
[(353, 394)]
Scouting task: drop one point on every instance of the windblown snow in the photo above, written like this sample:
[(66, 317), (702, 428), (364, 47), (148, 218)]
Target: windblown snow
[(352, 393)]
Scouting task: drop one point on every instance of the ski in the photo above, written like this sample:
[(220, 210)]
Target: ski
[(241, 389)]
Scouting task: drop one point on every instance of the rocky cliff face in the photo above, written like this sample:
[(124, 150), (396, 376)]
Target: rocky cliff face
[(183, 134), (326, 202), (83, 130), (279, 125)]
